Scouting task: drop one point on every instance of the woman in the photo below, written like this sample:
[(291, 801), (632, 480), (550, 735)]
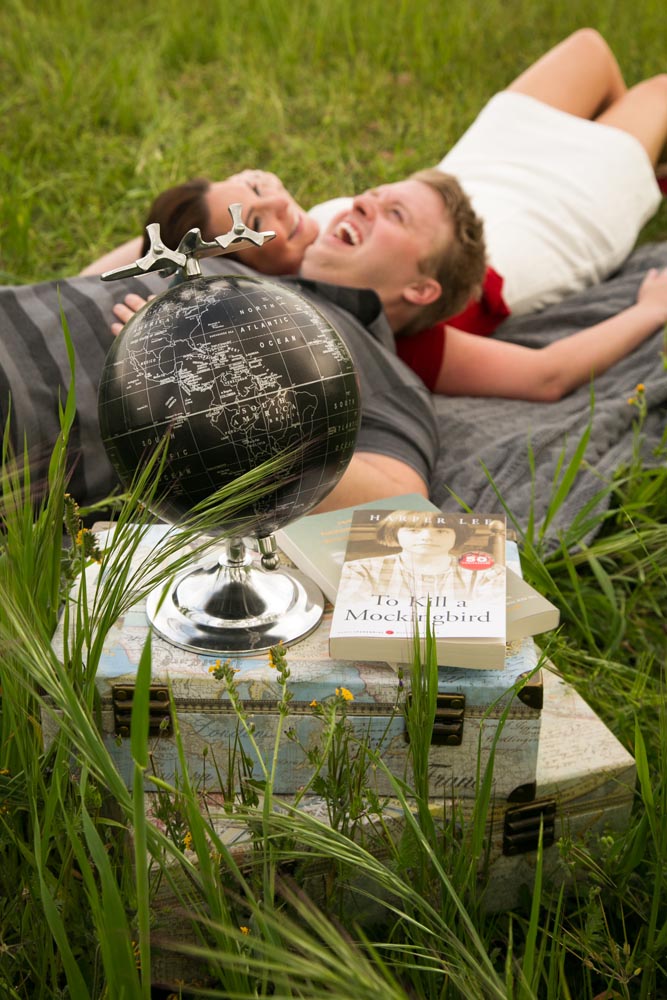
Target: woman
[(548, 163), (544, 177), (203, 204)]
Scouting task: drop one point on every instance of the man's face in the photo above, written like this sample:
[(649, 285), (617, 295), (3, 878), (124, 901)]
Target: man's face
[(380, 242)]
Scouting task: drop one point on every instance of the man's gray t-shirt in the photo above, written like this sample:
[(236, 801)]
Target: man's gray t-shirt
[(398, 417)]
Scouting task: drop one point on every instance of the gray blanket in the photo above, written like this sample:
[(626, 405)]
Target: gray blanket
[(474, 432), (496, 433)]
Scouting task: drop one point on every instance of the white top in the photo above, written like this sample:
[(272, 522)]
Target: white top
[(563, 199)]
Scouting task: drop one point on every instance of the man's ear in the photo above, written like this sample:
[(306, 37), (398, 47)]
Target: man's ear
[(423, 291)]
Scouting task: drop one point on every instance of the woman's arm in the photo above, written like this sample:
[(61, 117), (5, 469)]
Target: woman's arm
[(127, 253), (478, 366)]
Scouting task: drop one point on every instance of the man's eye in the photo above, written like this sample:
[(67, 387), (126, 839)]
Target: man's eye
[(396, 213)]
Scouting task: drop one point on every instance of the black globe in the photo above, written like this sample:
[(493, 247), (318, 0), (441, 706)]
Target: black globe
[(235, 371)]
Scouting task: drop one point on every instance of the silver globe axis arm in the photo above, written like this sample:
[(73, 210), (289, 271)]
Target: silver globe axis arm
[(238, 604), (191, 249)]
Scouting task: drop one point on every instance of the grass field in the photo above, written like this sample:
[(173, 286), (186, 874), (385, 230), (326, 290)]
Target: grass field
[(102, 106)]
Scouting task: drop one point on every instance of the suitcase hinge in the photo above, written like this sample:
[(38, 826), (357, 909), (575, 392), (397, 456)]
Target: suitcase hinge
[(159, 717), (532, 693), (521, 832)]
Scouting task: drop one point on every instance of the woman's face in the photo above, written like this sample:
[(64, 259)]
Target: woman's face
[(426, 541), (266, 204)]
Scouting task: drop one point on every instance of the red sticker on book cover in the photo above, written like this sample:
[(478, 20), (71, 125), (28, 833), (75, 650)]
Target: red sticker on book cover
[(476, 560)]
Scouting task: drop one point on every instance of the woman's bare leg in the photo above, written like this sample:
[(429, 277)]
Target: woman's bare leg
[(580, 76), (642, 112)]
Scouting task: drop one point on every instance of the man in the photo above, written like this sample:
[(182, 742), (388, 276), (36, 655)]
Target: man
[(394, 241), (419, 247), (417, 243)]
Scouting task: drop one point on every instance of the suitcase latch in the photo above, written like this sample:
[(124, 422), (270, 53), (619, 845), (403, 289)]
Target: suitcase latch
[(159, 717), (448, 722), (521, 832)]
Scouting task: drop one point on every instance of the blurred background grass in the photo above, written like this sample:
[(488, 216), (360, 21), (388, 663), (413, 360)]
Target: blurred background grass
[(103, 104)]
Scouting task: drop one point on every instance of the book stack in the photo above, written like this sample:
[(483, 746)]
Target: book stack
[(456, 571)]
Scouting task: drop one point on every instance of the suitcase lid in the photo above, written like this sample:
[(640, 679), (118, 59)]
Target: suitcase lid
[(314, 676), (375, 687)]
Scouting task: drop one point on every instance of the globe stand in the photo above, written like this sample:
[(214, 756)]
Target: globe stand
[(239, 604)]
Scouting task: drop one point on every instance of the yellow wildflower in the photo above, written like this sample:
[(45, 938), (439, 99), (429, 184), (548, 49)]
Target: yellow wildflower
[(345, 694), (314, 703), (277, 655), (187, 841), (136, 951), (244, 929), (632, 400), (640, 387)]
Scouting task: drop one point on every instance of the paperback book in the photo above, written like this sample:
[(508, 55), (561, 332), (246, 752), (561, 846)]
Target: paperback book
[(316, 545), (528, 612), (404, 568)]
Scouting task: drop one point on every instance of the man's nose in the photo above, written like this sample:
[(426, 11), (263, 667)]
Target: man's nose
[(366, 204)]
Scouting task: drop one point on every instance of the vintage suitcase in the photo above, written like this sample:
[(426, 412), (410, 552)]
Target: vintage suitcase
[(584, 787), (477, 711), (585, 782)]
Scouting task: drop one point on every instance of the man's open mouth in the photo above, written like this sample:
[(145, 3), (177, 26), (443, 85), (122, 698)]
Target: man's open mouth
[(348, 233)]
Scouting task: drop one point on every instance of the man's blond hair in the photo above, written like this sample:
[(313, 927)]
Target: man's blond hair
[(457, 261)]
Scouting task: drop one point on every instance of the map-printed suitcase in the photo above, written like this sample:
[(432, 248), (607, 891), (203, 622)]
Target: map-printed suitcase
[(585, 782), (477, 709)]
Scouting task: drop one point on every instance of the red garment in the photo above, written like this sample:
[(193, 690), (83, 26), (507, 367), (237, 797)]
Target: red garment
[(424, 352)]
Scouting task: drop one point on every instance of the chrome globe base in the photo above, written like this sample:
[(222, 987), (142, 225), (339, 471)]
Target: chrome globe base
[(240, 604)]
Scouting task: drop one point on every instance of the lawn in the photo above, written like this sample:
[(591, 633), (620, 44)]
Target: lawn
[(102, 106)]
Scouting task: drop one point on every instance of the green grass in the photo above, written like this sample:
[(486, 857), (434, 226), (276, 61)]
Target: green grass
[(102, 106)]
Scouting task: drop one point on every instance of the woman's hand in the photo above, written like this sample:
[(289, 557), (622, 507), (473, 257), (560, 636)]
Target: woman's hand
[(126, 309), (652, 293)]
